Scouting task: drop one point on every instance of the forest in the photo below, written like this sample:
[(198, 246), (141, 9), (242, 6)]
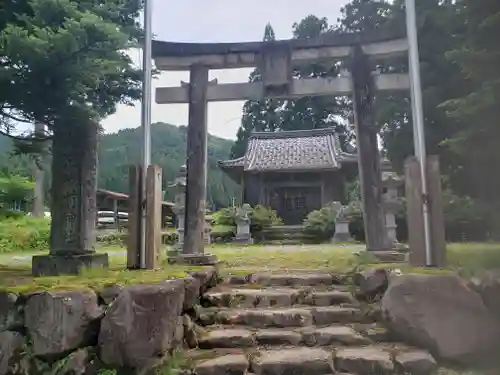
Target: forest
[(117, 151)]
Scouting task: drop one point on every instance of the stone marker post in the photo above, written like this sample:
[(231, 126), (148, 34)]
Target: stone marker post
[(153, 216), (39, 174), (74, 182), (414, 200)]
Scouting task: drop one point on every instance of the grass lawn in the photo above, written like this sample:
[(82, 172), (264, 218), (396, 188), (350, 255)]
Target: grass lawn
[(469, 259)]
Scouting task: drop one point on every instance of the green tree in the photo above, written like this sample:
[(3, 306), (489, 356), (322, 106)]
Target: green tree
[(439, 30), (316, 111), (477, 108), (15, 189), (64, 65)]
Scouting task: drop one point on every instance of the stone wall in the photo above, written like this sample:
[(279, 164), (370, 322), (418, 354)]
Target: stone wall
[(132, 329)]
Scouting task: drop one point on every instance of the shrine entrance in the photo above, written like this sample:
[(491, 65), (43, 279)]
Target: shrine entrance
[(276, 61)]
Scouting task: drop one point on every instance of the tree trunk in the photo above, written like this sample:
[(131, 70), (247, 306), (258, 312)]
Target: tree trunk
[(74, 188)]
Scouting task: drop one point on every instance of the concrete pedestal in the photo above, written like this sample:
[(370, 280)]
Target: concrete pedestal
[(390, 256), (244, 240), (243, 235), (192, 259), (55, 265), (342, 233)]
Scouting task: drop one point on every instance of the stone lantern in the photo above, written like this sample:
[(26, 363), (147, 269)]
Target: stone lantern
[(392, 203), (207, 230), (243, 234), (342, 233), (179, 186)]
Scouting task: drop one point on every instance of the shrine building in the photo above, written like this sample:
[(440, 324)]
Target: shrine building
[(293, 172)]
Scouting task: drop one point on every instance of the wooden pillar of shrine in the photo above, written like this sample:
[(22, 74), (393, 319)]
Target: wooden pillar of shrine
[(368, 154)]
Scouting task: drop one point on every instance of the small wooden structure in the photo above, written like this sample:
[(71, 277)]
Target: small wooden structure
[(108, 200), (293, 172)]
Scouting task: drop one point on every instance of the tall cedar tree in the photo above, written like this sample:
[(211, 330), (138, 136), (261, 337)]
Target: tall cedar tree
[(64, 65), (477, 111), (64, 60)]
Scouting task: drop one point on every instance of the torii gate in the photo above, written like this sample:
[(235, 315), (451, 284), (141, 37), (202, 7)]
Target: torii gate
[(275, 60)]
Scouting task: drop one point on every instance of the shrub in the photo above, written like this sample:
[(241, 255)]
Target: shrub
[(320, 224), (222, 233), (356, 224), (120, 238), (25, 233), (225, 217), (113, 239), (261, 217)]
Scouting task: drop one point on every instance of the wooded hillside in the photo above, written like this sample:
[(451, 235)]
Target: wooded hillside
[(119, 150)]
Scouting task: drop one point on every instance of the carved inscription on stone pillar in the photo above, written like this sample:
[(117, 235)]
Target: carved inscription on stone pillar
[(74, 152)]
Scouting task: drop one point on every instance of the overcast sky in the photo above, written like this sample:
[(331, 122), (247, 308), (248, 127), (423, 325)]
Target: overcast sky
[(217, 21)]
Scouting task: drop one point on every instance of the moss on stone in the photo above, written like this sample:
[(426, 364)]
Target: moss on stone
[(19, 280)]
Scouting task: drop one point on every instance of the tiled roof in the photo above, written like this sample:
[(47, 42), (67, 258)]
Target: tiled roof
[(317, 149)]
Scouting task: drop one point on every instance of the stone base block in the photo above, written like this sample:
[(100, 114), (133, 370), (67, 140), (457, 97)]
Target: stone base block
[(193, 259), (342, 237), (55, 265), (390, 256), (401, 247), (243, 240)]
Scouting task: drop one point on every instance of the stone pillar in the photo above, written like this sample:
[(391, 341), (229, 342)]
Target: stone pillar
[(154, 200), (196, 185), (39, 173), (368, 153), (414, 208), (74, 188)]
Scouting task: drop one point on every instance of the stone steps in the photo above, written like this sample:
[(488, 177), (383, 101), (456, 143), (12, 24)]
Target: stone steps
[(296, 323), (309, 336), (288, 279), (367, 360), (278, 297), (285, 317)]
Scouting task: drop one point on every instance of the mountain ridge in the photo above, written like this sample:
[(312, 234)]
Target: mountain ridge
[(119, 150)]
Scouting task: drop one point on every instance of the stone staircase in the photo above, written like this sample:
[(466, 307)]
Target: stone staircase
[(296, 324)]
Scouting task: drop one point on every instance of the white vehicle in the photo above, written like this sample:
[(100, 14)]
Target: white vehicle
[(108, 217)]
